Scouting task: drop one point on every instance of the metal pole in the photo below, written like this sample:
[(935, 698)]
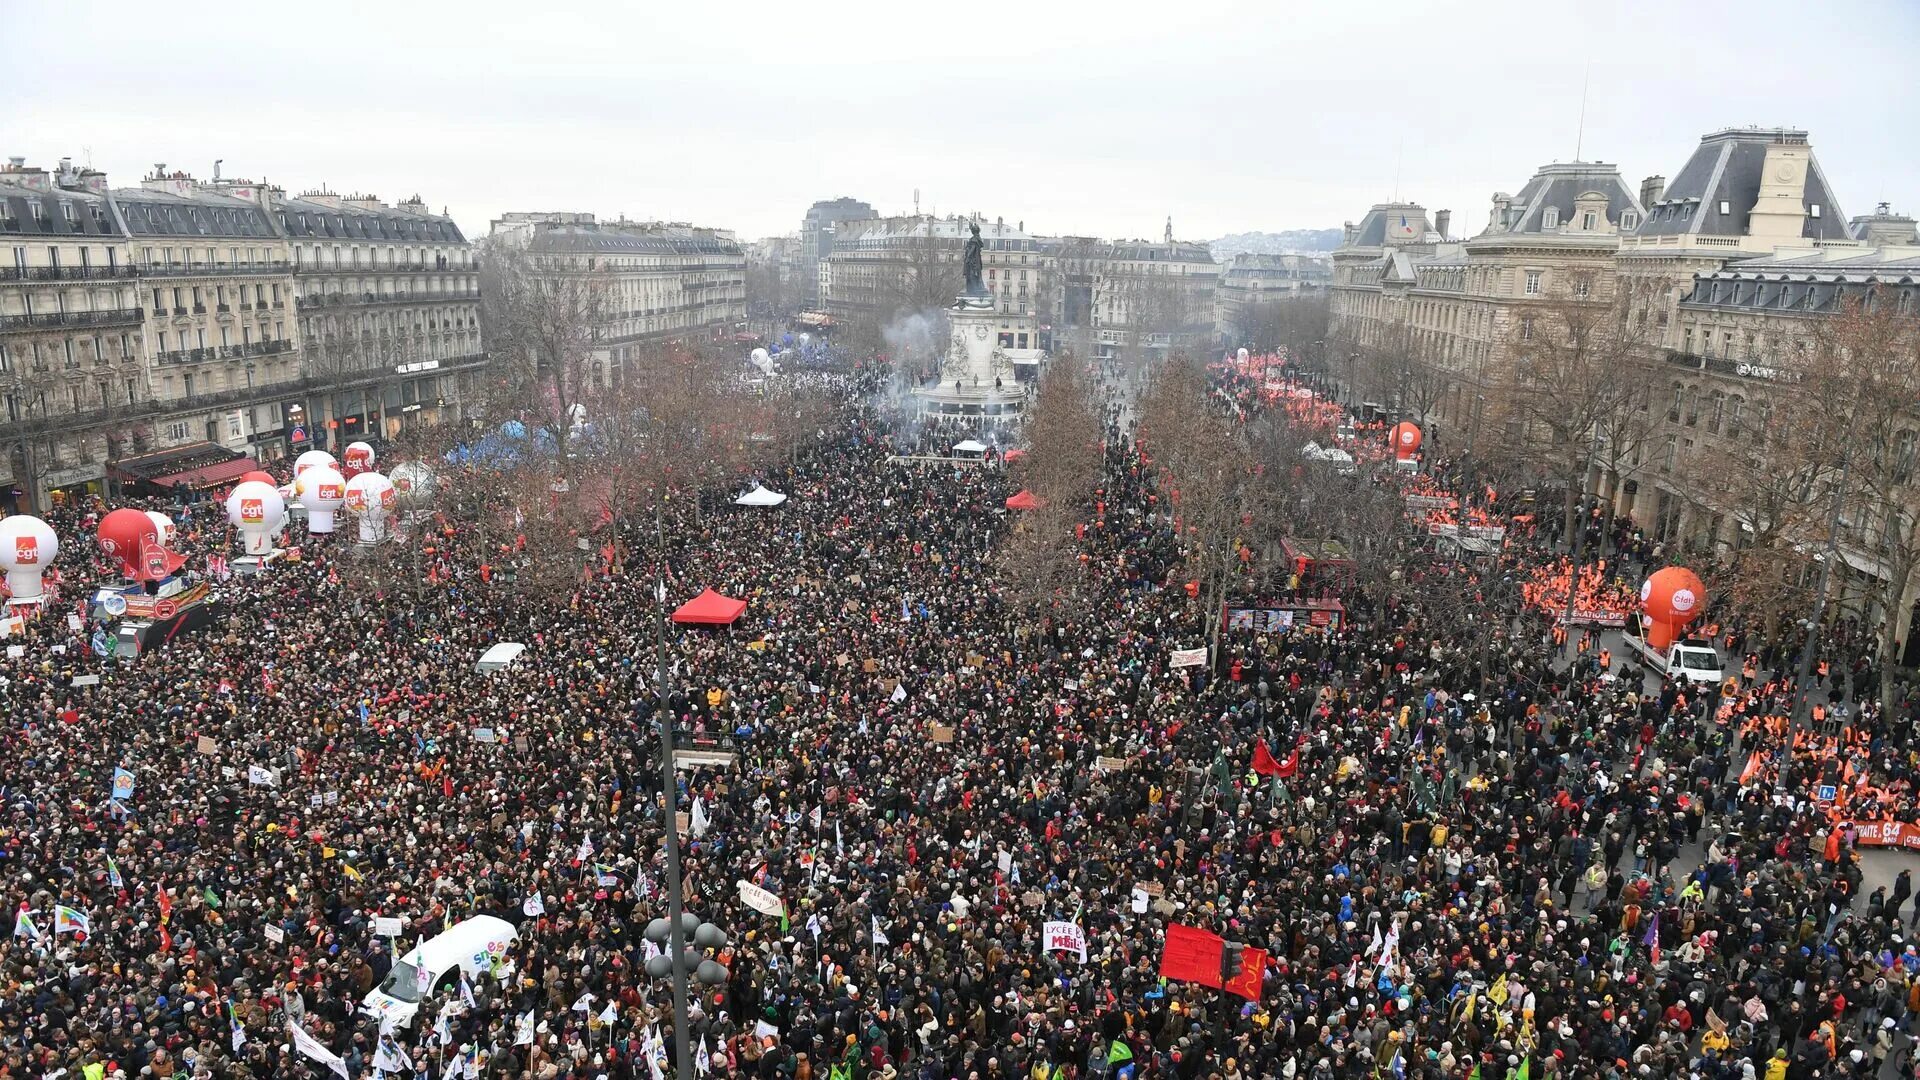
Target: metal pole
[(676, 900)]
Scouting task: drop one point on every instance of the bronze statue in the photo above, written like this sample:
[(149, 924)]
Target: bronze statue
[(975, 283)]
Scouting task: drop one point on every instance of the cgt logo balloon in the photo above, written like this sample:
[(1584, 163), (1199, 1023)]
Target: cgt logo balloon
[(1406, 437), (252, 511), (1683, 600), (26, 550), (332, 491)]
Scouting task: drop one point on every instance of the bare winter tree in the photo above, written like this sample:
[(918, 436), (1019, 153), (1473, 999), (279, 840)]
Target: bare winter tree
[(542, 316), (1579, 368)]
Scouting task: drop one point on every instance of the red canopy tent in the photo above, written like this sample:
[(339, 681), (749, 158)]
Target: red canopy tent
[(710, 609), (1013, 455), (1025, 500)]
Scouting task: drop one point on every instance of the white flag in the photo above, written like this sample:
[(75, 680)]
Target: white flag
[(466, 988), (585, 1004), (813, 925), (655, 1051), (389, 1057), (609, 1014), (702, 1060), (523, 1029), (839, 847), (586, 849), (533, 907), (315, 1049), (699, 820), (899, 694), (879, 935), (818, 818)]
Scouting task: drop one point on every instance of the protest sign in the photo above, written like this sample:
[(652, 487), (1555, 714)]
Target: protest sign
[(205, 745), (761, 900), (1066, 937), (388, 926)]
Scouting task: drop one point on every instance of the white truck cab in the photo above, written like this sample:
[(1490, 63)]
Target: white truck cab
[(1692, 659)]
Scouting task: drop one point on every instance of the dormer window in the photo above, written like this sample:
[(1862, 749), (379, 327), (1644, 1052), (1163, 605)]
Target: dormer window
[(1726, 207), (1550, 218), (1813, 211), (1629, 219)]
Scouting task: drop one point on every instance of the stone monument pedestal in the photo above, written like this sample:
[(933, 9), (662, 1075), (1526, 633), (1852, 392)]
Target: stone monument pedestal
[(977, 381)]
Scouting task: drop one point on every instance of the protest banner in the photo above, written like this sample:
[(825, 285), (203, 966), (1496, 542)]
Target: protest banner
[(1066, 937), (760, 900)]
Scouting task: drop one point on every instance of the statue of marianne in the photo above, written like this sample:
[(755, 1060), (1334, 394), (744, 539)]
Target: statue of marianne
[(975, 282)]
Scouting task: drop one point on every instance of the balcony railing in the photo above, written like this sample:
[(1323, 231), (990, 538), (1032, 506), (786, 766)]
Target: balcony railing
[(66, 273), (181, 269), (224, 352), (343, 299), (254, 395), (383, 268), (55, 320)]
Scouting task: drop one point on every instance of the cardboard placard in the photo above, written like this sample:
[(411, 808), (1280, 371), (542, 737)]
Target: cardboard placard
[(887, 685), (940, 733), (86, 680), (520, 743), (843, 659), (683, 821), (275, 934), (386, 926), (1151, 888), (1111, 764), (205, 745), (484, 734), (975, 660), (869, 666)]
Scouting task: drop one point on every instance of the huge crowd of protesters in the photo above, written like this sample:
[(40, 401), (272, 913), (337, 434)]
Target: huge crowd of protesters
[(1484, 860)]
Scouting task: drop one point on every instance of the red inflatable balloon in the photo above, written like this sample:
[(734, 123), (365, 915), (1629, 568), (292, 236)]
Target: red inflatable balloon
[(261, 475), (122, 536), (1406, 440), (1673, 595)]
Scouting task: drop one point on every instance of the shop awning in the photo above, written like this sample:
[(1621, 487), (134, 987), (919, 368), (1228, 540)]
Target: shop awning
[(710, 609), (211, 475)]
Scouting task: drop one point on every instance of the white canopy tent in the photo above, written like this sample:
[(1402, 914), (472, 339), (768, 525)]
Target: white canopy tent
[(498, 656), (970, 446), (760, 496)]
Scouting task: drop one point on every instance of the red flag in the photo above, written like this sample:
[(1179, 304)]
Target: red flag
[(166, 939), (1192, 955), (166, 904), (1253, 970), (1263, 762), (1290, 766), (1753, 766)]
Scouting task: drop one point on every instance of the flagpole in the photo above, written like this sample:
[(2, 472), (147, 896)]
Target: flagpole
[(676, 899)]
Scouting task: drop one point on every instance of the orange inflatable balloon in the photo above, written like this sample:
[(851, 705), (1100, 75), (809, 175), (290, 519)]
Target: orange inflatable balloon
[(1673, 595), (1406, 440)]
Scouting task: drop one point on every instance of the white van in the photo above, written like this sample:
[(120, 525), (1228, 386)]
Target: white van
[(475, 944)]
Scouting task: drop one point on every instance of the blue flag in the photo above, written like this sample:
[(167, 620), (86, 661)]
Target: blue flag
[(122, 784)]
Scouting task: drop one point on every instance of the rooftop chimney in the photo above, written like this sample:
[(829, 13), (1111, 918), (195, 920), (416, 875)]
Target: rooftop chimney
[(1442, 219), (1651, 189)]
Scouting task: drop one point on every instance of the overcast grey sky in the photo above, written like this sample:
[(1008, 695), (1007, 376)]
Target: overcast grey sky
[(1074, 117)]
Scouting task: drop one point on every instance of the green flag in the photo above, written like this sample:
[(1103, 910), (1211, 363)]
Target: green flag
[(213, 898)]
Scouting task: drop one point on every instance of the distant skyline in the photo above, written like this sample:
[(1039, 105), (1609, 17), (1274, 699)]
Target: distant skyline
[(1226, 117)]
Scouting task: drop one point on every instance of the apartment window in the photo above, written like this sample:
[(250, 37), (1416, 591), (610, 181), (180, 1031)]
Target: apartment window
[(1813, 210), (1726, 207), (159, 301), (1586, 221), (38, 211), (1726, 343), (130, 392), (1629, 220), (1717, 412), (177, 431), (1533, 283)]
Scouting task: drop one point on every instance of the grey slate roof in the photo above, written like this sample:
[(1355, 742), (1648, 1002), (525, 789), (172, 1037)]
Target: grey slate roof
[(91, 215), (1405, 222), (205, 214), (304, 220), (1558, 185), (1726, 167), (576, 239)]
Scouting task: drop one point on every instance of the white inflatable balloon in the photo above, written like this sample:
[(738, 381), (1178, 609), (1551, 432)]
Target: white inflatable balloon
[(312, 459), (258, 511), (27, 548), (359, 456), (370, 498), (163, 526), (321, 490)]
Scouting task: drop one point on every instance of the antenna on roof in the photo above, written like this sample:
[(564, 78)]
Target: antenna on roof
[(1399, 158), (1580, 134)]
